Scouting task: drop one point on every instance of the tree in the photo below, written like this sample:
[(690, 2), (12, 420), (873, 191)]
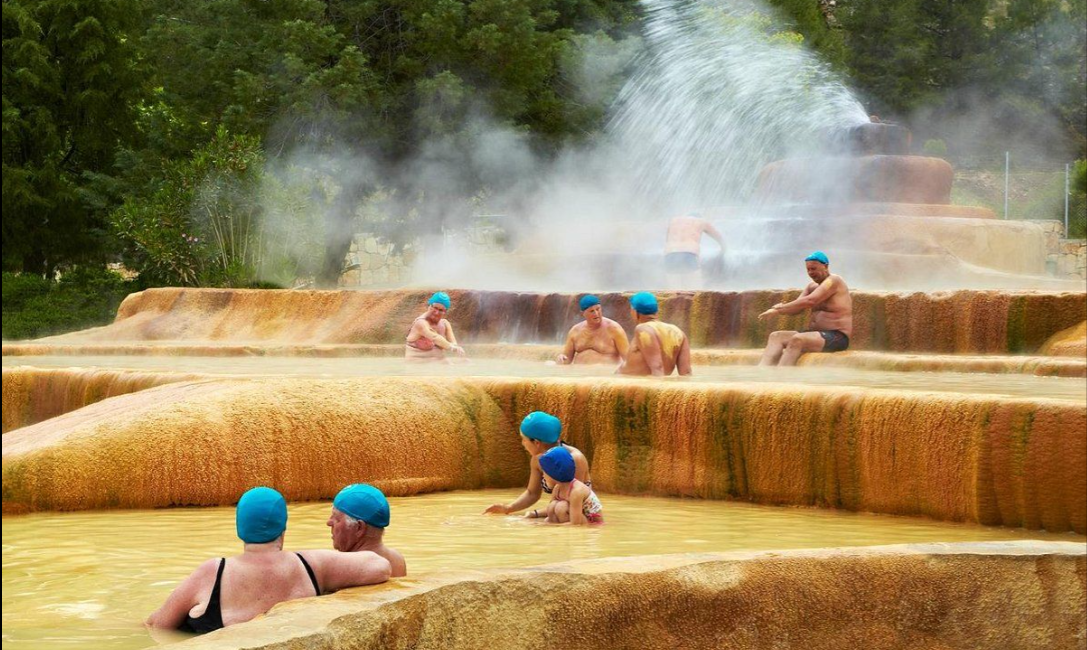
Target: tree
[(71, 84)]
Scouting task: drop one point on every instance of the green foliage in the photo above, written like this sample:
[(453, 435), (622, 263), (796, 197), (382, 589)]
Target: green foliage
[(83, 297), (807, 19), (200, 226), (166, 133), (969, 70), (1077, 208), (71, 82), (935, 147)]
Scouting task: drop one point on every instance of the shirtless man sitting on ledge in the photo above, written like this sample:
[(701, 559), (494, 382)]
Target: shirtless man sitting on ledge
[(594, 340), (831, 322)]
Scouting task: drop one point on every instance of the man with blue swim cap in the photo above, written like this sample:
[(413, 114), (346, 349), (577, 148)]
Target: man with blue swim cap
[(830, 324), (540, 433), (431, 335), (360, 514), (657, 348), (594, 340)]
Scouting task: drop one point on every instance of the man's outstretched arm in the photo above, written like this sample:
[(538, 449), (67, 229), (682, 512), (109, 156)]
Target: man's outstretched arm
[(808, 299)]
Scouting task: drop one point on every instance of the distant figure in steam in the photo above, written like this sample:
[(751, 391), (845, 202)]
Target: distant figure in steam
[(683, 250), (595, 339), (431, 335), (830, 324), (657, 348)]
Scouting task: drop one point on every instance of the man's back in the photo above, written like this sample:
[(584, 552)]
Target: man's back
[(685, 234)]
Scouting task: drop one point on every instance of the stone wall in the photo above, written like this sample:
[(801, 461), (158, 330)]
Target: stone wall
[(373, 263), (1071, 259), (1067, 258)]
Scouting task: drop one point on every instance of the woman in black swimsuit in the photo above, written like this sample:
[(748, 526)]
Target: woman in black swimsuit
[(225, 591), (541, 432)]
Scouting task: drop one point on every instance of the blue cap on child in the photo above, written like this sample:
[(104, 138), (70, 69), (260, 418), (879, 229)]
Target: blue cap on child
[(558, 463)]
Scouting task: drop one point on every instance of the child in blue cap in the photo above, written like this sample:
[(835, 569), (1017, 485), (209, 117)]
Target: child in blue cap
[(540, 432), (571, 500)]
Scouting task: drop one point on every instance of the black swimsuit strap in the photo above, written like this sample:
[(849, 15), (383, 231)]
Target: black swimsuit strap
[(218, 583), (212, 618), (312, 575)]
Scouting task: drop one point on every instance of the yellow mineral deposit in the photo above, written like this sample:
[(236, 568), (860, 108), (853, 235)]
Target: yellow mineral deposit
[(978, 596), (994, 460), (1071, 342), (958, 321), (35, 394), (191, 396)]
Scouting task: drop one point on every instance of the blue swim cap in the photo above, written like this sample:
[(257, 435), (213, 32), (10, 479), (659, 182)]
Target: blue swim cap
[(363, 502), (261, 516), (558, 463), (587, 301), (442, 298), (644, 303), (542, 426), (818, 256)]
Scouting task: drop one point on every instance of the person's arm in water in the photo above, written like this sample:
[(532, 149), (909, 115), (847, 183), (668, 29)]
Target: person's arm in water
[(811, 296), (620, 339), (567, 354), (336, 570), (683, 363), (183, 598), (530, 496), (651, 349)]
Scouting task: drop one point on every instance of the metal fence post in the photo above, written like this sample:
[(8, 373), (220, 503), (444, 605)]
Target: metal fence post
[(1007, 169), (1066, 193)]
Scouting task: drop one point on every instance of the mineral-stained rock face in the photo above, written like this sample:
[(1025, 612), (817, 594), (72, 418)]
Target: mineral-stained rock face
[(959, 321), (32, 395), (957, 596), (1071, 342), (35, 394), (988, 459)]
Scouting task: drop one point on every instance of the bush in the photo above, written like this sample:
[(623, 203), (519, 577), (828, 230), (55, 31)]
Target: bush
[(84, 297), (201, 224), (1077, 206), (935, 148)]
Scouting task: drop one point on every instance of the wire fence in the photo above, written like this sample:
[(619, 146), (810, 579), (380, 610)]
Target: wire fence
[(1040, 191)]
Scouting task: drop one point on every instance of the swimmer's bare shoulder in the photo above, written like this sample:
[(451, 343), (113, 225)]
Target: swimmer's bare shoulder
[(337, 570)]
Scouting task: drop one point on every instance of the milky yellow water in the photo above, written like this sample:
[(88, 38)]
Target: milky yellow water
[(88, 579), (1011, 385)]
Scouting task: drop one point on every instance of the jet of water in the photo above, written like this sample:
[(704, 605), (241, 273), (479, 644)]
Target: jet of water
[(718, 96)]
